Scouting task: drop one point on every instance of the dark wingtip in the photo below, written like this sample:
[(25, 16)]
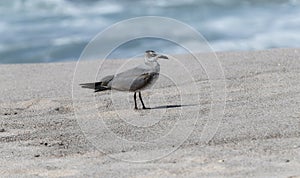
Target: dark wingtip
[(87, 84), (96, 86)]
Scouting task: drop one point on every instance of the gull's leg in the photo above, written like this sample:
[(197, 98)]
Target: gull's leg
[(134, 96), (140, 96)]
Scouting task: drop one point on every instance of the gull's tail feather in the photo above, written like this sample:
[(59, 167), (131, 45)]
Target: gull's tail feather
[(97, 86), (104, 84)]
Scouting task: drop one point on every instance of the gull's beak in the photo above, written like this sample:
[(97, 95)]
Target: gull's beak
[(162, 57)]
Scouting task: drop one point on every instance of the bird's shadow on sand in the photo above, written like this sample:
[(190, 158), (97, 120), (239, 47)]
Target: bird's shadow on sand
[(173, 106)]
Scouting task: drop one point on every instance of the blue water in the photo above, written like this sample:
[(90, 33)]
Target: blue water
[(58, 30)]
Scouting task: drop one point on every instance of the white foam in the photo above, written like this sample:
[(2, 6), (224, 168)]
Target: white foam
[(66, 40)]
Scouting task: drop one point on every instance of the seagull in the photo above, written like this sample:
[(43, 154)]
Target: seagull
[(134, 80)]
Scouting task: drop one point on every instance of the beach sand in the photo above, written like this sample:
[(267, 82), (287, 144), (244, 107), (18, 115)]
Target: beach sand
[(258, 135)]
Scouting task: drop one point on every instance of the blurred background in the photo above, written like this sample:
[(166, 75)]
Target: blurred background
[(58, 30)]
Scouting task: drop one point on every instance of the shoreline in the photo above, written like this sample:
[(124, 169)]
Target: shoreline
[(258, 136), (116, 59)]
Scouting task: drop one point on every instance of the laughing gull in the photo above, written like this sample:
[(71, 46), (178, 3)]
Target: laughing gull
[(134, 80)]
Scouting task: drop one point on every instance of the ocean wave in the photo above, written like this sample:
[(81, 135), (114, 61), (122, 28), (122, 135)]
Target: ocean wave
[(60, 7), (59, 29)]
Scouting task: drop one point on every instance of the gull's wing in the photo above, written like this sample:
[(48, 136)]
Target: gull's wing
[(133, 79), (136, 71)]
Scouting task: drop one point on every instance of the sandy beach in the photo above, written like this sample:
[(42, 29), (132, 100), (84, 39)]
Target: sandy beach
[(258, 135)]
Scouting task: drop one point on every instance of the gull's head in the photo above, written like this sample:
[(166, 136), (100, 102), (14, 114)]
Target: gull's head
[(151, 56)]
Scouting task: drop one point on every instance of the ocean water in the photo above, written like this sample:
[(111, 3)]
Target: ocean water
[(58, 30)]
